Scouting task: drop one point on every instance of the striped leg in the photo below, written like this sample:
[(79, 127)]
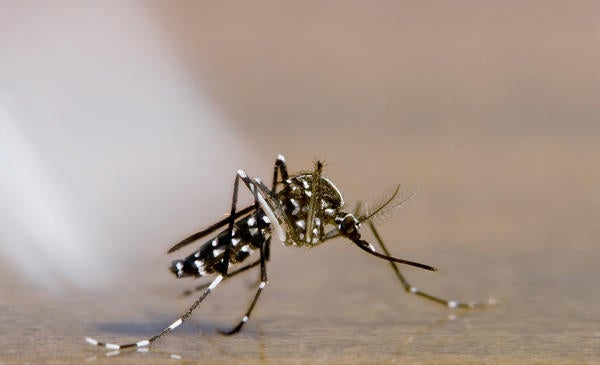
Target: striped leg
[(172, 326), (411, 289), (261, 286), (264, 243)]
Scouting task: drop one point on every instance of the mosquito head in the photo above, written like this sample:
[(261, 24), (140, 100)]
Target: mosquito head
[(348, 225)]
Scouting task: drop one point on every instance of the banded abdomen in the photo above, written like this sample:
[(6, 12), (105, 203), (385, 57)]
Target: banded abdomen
[(208, 259)]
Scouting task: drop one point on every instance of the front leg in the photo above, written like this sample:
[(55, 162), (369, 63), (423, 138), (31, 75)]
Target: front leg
[(263, 244)]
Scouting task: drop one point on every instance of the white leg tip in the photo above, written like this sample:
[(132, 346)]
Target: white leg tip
[(142, 343), (112, 346)]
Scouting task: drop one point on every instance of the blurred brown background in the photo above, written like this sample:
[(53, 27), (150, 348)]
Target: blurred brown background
[(488, 109)]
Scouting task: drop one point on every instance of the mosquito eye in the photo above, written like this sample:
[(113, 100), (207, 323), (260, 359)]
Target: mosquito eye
[(348, 224)]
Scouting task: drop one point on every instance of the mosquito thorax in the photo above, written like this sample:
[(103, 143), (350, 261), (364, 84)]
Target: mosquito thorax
[(310, 208)]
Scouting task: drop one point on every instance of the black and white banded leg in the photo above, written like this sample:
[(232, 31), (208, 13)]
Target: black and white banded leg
[(263, 283), (263, 244), (172, 326), (223, 266), (413, 290)]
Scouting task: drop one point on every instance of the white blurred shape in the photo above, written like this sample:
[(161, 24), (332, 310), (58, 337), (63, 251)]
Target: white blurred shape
[(39, 219), (105, 141)]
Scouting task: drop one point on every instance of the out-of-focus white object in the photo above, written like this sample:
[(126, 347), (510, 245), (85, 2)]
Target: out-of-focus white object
[(106, 142)]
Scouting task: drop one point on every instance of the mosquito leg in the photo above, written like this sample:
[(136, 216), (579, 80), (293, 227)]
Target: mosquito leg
[(261, 286), (172, 326), (205, 285), (263, 242), (223, 265), (268, 250), (411, 289), (280, 166)]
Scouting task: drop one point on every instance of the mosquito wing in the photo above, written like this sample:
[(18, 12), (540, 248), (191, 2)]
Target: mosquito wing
[(196, 236)]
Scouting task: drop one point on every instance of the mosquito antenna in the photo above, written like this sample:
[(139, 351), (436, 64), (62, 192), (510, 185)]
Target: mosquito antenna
[(382, 205), (364, 245), (384, 208)]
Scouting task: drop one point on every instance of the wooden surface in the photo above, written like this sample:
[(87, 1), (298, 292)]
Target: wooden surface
[(333, 305)]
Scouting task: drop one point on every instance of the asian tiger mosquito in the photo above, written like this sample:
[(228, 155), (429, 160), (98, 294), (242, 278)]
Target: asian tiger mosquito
[(306, 211)]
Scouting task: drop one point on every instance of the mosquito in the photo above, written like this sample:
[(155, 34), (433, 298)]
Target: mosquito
[(302, 210)]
